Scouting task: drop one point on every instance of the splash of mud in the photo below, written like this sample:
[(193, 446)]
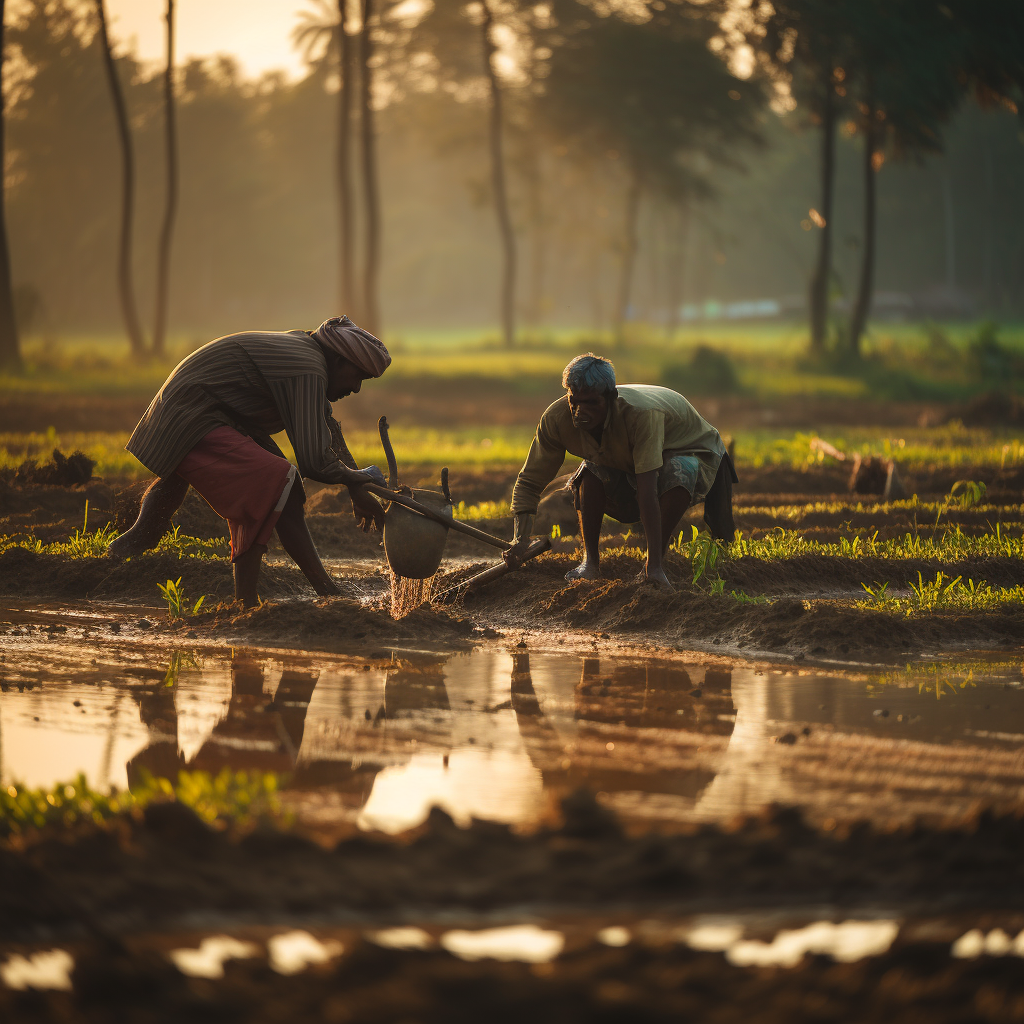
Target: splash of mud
[(407, 594)]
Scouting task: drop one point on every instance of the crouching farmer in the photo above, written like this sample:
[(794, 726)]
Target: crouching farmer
[(210, 425), (648, 455)]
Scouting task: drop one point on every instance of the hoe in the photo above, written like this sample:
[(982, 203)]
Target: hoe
[(416, 525)]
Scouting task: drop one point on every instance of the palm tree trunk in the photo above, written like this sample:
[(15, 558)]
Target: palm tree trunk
[(10, 349), (677, 266), (346, 96), (371, 267), (862, 307), (124, 275), (628, 257), (496, 141), (163, 271), (823, 270)]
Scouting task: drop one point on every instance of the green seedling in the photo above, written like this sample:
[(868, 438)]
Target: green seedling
[(177, 604), (878, 593)]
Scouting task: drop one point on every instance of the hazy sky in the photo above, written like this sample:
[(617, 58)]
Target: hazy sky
[(257, 32)]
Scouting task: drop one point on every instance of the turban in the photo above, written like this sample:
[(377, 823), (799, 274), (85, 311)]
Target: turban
[(360, 347)]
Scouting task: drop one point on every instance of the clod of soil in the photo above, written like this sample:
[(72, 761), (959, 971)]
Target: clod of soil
[(336, 623), (62, 470)]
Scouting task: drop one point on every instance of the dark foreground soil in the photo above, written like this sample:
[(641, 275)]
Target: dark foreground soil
[(916, 981), (94, 889)]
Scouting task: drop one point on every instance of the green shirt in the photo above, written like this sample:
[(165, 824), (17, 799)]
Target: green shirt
[(643, 423)]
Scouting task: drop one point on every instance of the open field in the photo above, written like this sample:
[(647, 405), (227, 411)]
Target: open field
[(815, 739)]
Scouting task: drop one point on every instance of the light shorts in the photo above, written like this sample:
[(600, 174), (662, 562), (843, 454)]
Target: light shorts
[(678, 470)]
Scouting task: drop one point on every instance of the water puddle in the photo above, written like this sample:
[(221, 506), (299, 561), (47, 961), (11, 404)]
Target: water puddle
[(505, 734)]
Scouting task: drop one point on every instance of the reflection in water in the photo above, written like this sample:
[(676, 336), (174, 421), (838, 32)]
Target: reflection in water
[(505, 735)]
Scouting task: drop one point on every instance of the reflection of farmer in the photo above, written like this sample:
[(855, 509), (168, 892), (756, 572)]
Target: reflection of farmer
[(648, 456), (210, 426)]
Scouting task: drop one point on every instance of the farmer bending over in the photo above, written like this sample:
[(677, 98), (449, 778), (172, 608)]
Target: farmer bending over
[(648, 455), (210, 426)]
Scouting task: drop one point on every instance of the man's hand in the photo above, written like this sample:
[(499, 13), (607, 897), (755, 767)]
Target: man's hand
[(514, 555), (520, 540), (366, 508), (375, 474)]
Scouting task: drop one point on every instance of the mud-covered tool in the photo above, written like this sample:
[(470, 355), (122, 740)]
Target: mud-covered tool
[(416, 522), (495, 572), (413, 540)]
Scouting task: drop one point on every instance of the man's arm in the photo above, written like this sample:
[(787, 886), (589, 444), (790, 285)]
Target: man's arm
[(545, 459), (302, 401), (338, 444)]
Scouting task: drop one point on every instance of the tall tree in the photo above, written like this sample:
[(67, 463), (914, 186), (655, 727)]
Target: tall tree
[(320, 33), (905, 62), (126, 285), (163, 271), (651, 97), (804, 43), (346, 99), (496, 145), (10, 349), (370, 311)]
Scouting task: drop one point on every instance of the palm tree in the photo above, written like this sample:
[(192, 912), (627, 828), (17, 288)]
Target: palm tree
[(126, 285), (496, 144), (10, 350), (371, 191), (167, 229), (314, 34)]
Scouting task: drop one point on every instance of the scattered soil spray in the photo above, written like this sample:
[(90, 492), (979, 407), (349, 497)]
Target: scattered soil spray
[(407, 594)]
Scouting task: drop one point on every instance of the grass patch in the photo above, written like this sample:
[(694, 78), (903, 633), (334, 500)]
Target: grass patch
[(951, 545), (951, 447), (94, 544), (228, 798), (944, 593)]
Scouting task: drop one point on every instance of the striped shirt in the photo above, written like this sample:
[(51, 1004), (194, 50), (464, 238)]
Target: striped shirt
[(259, 383)]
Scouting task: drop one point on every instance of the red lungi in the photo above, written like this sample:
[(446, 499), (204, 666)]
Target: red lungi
[(244, 483)]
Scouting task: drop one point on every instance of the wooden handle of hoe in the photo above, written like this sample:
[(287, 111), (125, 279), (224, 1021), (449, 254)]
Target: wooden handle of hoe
[(537, 547), (437, 516), (389, 452)]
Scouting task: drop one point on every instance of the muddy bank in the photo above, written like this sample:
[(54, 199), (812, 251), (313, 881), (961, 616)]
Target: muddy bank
[(538, 597), (30, 574), (165, 867), (333, 624)]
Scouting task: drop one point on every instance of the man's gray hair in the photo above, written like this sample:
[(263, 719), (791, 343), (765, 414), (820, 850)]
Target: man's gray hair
[(589, 371)]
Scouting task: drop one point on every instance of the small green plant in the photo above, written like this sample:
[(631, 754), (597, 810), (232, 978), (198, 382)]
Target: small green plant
[(878, 593), (741, 597), (703, 552), (177, 604), (934, 593)]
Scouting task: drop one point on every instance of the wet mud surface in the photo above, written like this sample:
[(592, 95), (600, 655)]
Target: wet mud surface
[(588, 771)]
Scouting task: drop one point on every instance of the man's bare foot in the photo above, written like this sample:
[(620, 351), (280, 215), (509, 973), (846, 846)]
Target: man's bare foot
[(584, 571), (655, 576)]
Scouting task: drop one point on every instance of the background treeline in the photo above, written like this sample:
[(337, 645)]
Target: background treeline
[(622, 206)]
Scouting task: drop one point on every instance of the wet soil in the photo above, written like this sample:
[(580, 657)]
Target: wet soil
[(166, 867), (916, 981), (166, 870)]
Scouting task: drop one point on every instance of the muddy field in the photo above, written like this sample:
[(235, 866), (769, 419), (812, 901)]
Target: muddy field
[(900, 821), (810, 614)]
